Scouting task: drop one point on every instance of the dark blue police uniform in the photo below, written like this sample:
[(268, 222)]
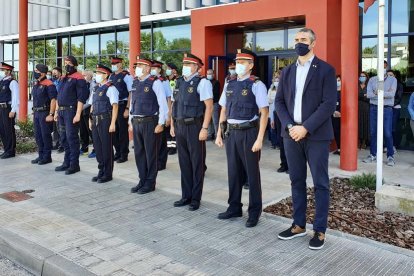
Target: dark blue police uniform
[(43, 92), (72, 90), (7, 131), (121, 137)]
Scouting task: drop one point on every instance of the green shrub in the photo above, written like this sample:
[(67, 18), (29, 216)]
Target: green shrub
[(26, 127), (26, 147), (364, 181)]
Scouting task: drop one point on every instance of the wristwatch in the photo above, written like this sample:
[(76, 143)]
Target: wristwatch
[(51, 114), (289, 126)]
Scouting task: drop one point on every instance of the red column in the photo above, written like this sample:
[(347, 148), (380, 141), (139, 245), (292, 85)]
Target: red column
[(23, 60), (134, 32), (349, 95)]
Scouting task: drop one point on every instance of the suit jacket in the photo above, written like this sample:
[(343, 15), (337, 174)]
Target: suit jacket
[(318, 101)]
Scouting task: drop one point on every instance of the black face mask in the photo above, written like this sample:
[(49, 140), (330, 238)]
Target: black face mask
[(302, 49), (36, 75), (70, 69)]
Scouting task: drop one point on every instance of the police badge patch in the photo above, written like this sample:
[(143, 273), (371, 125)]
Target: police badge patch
[(100, 94), (244, 92), (40, 86), (190, 89), (146, 89), (119, 80), (229, 93)]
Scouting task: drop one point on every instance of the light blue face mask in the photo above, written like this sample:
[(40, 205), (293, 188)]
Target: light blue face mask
[(138, 72), (2, 74), (240, 69), (168, 72), (154, 72), (209, 77), (186, 71), (362, 79)]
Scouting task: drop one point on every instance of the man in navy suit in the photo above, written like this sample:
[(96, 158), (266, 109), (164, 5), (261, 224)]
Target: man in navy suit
[(305, 102)]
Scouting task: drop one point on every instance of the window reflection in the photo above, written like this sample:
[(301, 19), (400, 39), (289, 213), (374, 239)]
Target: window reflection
[(51, 48), (122, 46), (173, 37), (39, 49), (65, 46), (401, 60), (76, 46), (370, 19), (402, 21), (108, 43), (91, 45), (369, 55), (291, 37), (270, 40), (248, 40), (8, 51)]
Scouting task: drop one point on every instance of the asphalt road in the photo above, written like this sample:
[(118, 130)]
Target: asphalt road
[(8, 268)]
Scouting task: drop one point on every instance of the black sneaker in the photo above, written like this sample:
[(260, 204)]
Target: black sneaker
[(293, 232), (35, 161), (318, 241)]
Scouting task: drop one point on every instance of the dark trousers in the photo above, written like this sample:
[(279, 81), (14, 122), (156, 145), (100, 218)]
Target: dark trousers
[(7, 131), (102, 143), (387, 130), (316, 154), (121, 138), (163, 150), (240, 157), (56, 136), (278, 126), (146, 145), (69, 137), (396, 133), (273, 135), (336, 124), (84, 132), (43, 134), (192, 159)]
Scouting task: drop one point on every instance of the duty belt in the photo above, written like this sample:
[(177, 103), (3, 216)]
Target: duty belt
[(146, 119), (42, 108), (4, 105), (122, 102), (188, 121), (243, 126), (101, 116), (68, 107)]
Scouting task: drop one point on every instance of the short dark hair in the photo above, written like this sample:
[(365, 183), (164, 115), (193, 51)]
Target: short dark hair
[(310, 32), (58, 69)]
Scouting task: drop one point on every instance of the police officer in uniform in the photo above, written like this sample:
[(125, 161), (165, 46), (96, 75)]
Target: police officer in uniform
[(172, 75), (242, 101), (156, 70), (148, 105), (44, 104), (104, 112), (191, 112), (122, 80), (72, 95), (9, 104)]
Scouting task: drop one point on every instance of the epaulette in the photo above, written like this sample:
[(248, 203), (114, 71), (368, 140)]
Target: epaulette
[(254, 78)]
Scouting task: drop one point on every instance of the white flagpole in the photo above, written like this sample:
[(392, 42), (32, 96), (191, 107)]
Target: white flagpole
[(380, 118)]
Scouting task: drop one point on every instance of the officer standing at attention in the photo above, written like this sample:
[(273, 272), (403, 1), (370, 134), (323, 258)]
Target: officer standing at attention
[(122, 80), (104, 112), (172, 75), (242, 100), (192, 111), (148, 110), (72, 95), (156, 70), (9, 104), (44, 104)]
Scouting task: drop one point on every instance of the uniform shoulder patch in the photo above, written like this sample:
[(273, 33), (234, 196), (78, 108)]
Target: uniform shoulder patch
[(77, 76), (109, 83), (125, 72), (46, 82), (254, 78)]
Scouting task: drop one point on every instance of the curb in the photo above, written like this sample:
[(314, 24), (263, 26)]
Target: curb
[(37, 259), (339, 234)]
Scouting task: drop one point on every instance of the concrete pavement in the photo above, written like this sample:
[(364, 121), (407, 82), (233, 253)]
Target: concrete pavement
[(75, 227)]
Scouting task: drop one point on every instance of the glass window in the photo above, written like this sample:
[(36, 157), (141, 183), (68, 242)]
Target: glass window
[(91, 62), (270, 40), (401, 59), (39, 49), (170, 57), (16, 50), (402, 21), (122, 40), (369, 55), (145, 40), (108, 44), (51, 48), (248, 40), (8, 51), (172, 36), (51, 63), (91, 45), (291, 37), (65, 46), (76, 45), (370, 19)]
